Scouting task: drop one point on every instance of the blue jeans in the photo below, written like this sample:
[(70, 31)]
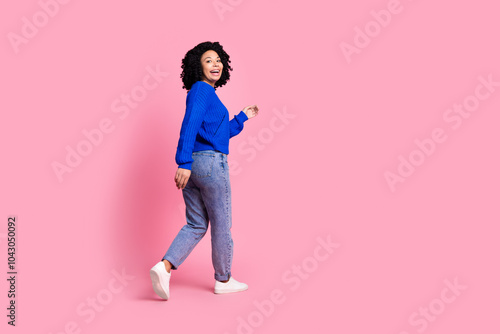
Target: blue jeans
[(208, 198)]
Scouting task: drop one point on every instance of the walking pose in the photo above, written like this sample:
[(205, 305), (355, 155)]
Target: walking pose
[(203, 173)]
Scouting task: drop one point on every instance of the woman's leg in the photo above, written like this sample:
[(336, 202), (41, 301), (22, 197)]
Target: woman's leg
[(191, 233), (216, 193), (168, 265)]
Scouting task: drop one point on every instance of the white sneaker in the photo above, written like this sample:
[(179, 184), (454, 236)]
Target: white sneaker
[(161, 280), (230, 286)]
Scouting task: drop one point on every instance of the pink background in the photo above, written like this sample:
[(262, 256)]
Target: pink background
[(319, 173)]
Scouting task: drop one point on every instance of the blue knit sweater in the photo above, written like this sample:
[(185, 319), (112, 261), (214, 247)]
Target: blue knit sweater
[(206, 124)]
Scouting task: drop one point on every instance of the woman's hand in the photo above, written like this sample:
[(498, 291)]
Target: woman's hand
[(251, 111), (181, 177)]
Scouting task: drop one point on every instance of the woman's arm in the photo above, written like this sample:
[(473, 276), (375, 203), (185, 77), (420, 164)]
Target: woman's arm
[(236, 124), (196, 107)]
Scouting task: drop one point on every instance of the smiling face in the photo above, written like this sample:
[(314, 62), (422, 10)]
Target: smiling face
[(211, 66)]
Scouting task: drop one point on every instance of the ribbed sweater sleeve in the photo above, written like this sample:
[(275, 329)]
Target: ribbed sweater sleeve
[(236, 124), (196, 106)]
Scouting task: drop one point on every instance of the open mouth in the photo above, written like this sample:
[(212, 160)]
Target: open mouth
[(215, 72)]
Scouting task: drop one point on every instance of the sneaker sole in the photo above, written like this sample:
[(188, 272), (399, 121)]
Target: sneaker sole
[(157, 286), (218, 292)]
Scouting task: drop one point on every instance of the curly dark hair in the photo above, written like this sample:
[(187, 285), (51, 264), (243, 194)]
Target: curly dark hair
[(191, 64)]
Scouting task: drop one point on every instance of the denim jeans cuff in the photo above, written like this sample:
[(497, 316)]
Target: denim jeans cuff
[(222, 277)]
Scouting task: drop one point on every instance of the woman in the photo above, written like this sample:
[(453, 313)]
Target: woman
[(203, 173)]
